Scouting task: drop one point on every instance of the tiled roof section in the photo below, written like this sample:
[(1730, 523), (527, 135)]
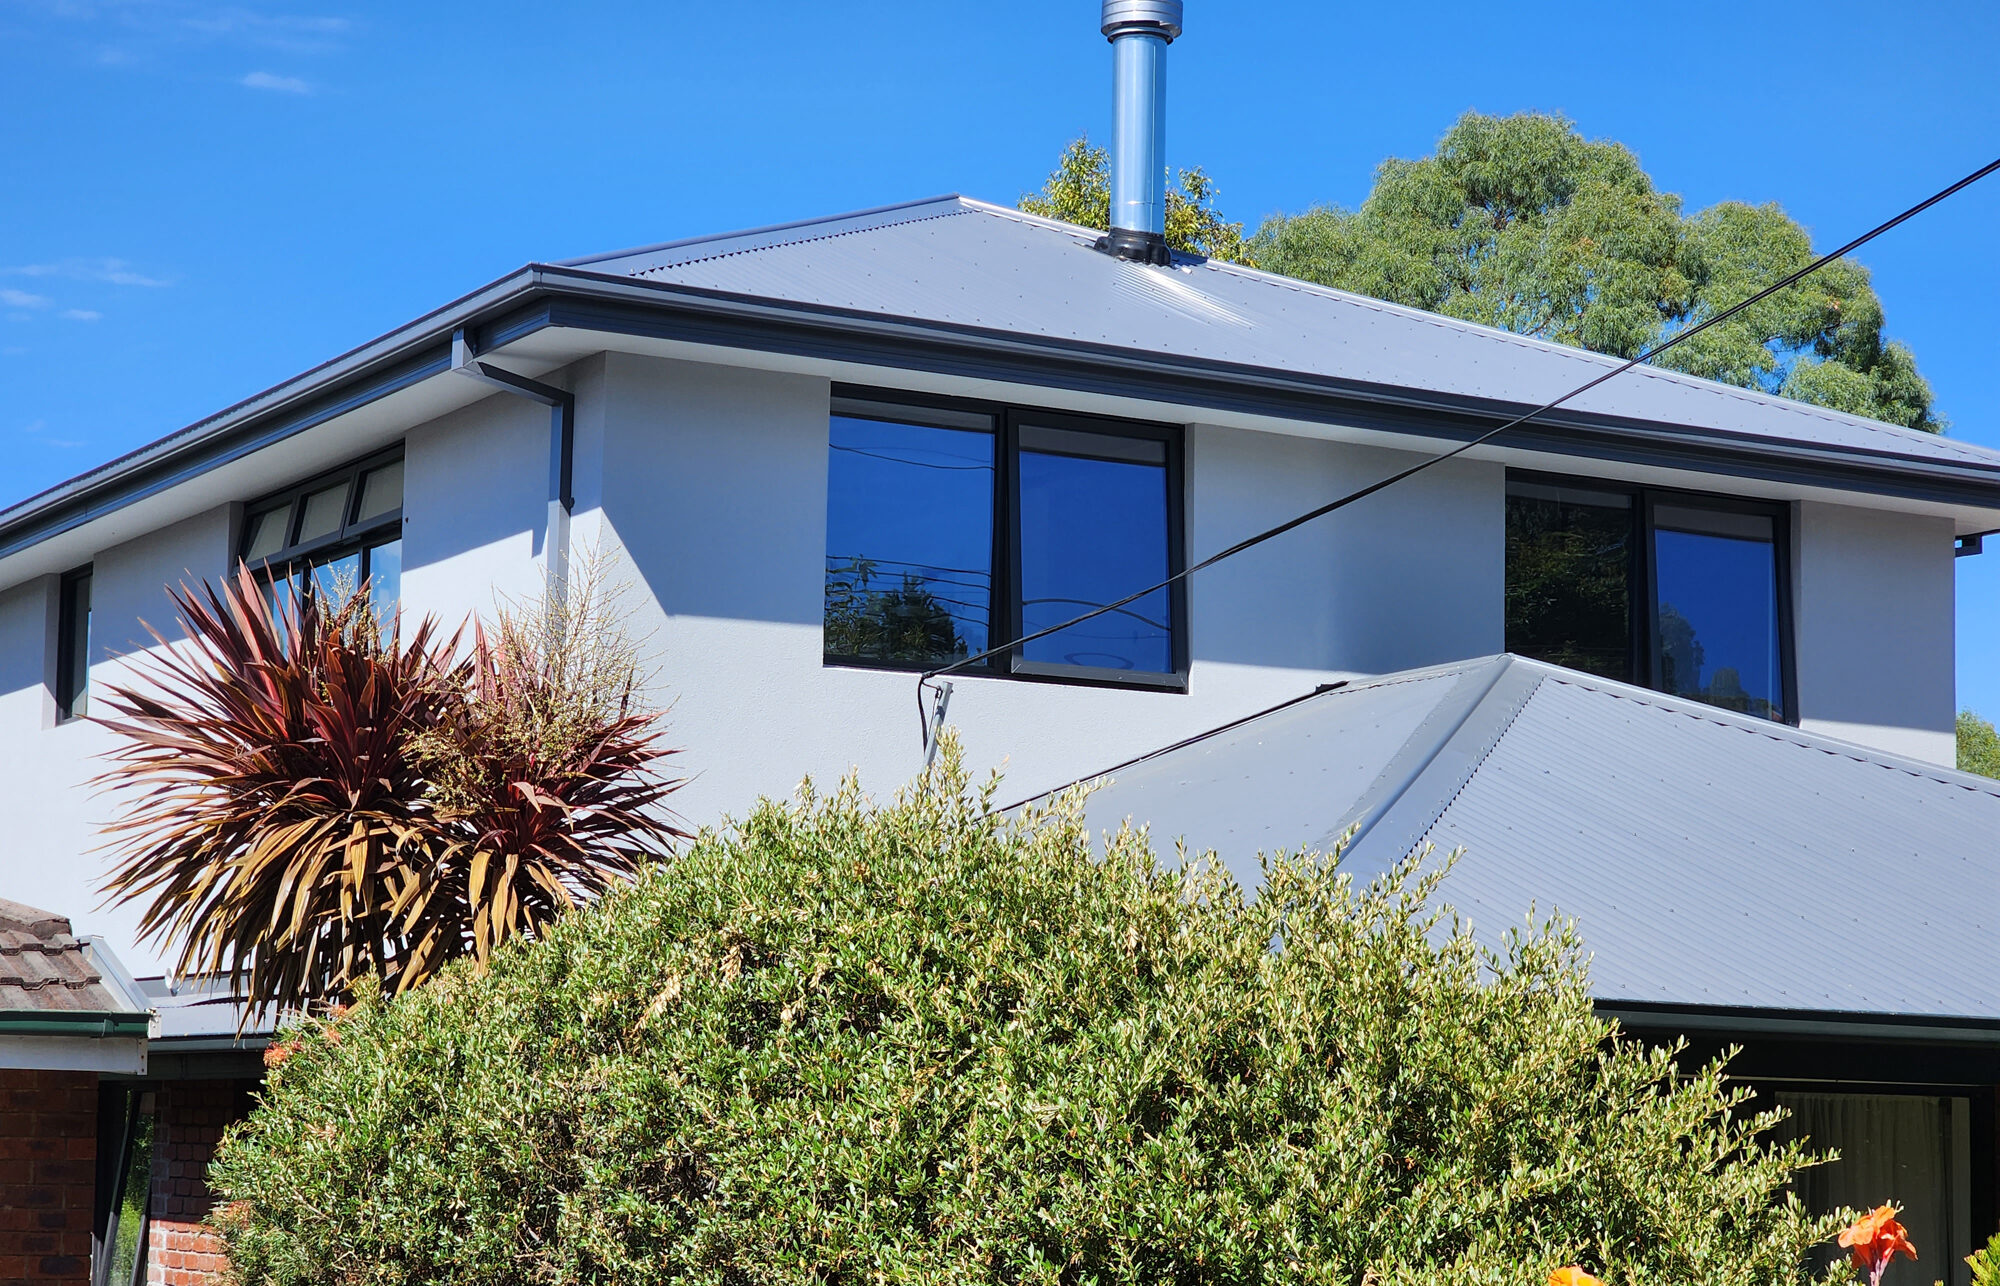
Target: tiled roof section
[(44, 969)]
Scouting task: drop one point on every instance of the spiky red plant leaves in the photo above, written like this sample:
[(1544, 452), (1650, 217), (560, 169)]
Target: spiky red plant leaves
[(554, 782), (276, 828), (283, 827)]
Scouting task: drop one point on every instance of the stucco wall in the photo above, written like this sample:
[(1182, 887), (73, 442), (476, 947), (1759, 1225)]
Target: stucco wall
[(49, 857), (1875, 613), (712, 487)]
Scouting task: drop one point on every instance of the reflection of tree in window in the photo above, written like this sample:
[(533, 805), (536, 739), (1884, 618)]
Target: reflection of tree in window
[(1569, 581), (905, 622), (1682, 659)]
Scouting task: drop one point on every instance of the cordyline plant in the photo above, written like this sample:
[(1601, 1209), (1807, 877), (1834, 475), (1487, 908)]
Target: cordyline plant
[(317, 806)]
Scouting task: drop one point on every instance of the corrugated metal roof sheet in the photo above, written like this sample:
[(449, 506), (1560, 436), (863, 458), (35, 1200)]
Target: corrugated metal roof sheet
[(1710, 859), (44, 968), (962, 262)]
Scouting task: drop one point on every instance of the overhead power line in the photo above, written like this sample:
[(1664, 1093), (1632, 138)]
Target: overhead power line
[(1271, 533)]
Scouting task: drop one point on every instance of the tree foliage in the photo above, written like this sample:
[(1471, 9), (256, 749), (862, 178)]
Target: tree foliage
[(847, 1045), (1522, 223), (1079, 192), (310, 801), (1978, 745)]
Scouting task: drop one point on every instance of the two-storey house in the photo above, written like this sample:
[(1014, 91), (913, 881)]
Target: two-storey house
[(830, 455)]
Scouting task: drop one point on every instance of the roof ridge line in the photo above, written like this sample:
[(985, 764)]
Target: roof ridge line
[(761, 230), (1791, 734), (1419, 754)]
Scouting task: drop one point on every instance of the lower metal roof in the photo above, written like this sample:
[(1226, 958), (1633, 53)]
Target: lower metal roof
[(1713, 862)]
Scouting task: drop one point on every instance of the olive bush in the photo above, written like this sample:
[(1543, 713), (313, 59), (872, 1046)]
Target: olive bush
[(931, 1042)]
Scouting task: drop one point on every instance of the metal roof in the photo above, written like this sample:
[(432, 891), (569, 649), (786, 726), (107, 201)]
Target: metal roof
[(1713, 862), (962, 262), (959, 287)]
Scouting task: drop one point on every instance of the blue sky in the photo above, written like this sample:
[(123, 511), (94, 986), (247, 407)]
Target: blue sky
[(201, 199)]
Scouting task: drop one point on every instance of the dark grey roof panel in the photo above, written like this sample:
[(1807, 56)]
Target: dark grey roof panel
[(1712, 861)]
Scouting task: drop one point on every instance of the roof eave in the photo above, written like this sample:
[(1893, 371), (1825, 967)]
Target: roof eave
[(540, 296)]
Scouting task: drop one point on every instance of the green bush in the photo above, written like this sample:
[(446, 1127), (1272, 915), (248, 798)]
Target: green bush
[(929, 1043)]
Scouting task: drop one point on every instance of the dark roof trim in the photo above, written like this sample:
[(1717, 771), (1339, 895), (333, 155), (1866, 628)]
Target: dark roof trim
[(1727, 1020), (541, 296)]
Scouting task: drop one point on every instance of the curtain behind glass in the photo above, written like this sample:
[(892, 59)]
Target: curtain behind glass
[(1906, 1149)]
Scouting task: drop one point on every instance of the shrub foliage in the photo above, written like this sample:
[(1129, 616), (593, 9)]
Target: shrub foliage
[(842, 1043)]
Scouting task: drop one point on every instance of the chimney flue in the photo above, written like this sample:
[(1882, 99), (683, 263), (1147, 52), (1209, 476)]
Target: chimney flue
[(1139, 32)]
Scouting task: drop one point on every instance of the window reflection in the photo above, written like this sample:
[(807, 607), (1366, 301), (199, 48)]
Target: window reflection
[(1705, 575), (1094, 529), (1716, 631), (909, 540), (1569, 577)]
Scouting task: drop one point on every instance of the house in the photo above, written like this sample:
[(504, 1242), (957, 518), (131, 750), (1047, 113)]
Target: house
[(829, 455)]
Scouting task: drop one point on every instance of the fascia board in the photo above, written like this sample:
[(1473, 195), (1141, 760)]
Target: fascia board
[(686, 314), (1700, 1020), (125, 1054)]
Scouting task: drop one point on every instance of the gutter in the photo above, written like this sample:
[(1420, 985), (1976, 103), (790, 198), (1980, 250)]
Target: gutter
[(542, 296), (1726, 1021), (94, 1024)]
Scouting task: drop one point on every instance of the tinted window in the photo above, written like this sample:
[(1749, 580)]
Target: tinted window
[(307, 535), (1094, 529), (1716, 628), (952, 530), (909, 540), (1706, 575), (1569, 577), (73, 648)]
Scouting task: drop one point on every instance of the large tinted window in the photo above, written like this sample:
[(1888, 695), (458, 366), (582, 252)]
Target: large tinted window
[(1715, 633), (909, 540), (1706, 575), (951, 530), (1094, 529)]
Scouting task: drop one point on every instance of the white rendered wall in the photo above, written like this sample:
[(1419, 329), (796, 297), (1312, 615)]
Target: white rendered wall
[(475, 502), (1875, 603), (50, 856), (712, 487)]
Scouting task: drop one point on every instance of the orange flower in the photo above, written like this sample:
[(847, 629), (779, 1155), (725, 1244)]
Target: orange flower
[(1874, 1239), (1572, 1276), (277, 1052)]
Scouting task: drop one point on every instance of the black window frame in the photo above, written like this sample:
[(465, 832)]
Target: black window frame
[(1643, 603), (1004, 611), (354, 535), (72, 688)]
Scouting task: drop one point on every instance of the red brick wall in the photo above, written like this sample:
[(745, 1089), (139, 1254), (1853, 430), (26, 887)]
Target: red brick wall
[(48, 1178), (189, 1119)]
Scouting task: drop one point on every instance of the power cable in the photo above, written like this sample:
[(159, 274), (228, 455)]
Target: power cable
[(924, 679)]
